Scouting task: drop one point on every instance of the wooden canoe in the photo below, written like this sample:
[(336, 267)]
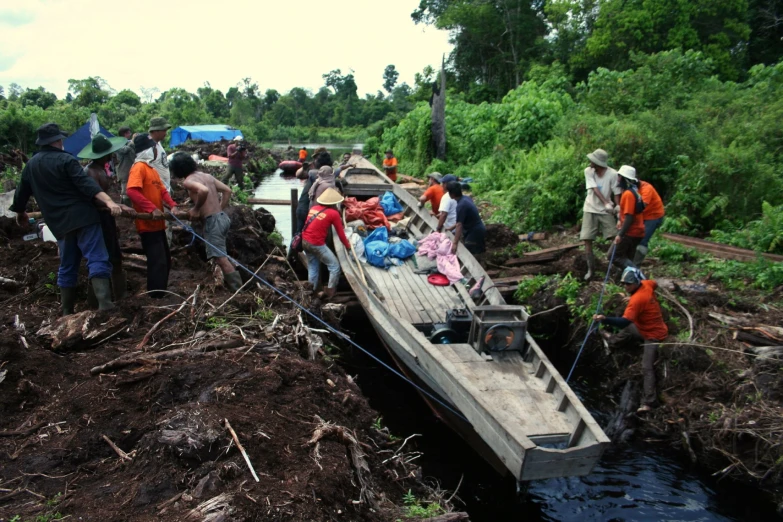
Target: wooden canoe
[(513, 406)]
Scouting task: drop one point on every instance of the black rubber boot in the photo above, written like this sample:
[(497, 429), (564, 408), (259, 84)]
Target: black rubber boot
[(68, 299), (233, 280), (102, 289), (119, 283)]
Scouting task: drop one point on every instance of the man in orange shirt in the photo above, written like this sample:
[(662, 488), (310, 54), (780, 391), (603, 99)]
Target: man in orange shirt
[(433, 194), (302, 154), (390, 165), (148, 194), (631, 224), (652, 216), (641, 325)]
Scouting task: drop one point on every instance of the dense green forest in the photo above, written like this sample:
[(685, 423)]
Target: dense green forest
[(335, 112), (687, 92)]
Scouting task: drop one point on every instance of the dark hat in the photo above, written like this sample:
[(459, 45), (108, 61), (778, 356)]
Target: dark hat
[(49, 133), (159, 124), (448, 178), (143, 142), (101, 146)]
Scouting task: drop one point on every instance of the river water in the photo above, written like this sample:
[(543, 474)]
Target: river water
[(644, 481)]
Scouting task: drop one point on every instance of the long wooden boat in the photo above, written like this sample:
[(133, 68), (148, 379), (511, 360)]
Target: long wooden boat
[(512, 403)]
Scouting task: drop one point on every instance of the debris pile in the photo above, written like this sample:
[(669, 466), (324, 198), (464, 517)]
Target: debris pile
[(260, 160), (204, 405)]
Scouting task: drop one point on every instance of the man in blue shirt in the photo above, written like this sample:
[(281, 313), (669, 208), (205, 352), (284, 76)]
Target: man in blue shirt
[(470, 227)]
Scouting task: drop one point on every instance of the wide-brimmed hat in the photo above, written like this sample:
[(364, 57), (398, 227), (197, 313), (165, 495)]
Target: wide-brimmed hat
[(101, 146), (49, 133), (599, 157), (435, 175), (448, 178), (628, 172), (238, 138), (159, 124), (143, 142), (330, 196)]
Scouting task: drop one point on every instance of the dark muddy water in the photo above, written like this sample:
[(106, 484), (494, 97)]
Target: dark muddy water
[(645, 481)]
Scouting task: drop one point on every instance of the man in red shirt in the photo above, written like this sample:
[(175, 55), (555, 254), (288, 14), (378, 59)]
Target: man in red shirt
[(148, 194), (653, 218), (433, 194), (237, 153), (641, 325), (390, 165), (631, 224), (322, 216)]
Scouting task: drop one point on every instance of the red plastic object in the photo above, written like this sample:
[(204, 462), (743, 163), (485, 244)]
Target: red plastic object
[(215, 157), (438, 280), (289, 166)]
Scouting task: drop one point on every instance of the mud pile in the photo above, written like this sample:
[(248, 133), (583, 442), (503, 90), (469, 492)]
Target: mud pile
[(145, 436)]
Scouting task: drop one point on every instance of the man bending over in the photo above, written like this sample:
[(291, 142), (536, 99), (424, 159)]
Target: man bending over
[(203, 190)]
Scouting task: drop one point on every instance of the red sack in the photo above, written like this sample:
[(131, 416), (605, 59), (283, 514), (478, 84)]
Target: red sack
[(369, 211)]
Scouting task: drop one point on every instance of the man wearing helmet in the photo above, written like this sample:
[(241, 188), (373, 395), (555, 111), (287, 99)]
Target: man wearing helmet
[(641, 325)]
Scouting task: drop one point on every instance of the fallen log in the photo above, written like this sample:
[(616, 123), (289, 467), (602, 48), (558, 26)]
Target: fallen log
[(80, 328), (128, 359), (720, 250), (746, 337)]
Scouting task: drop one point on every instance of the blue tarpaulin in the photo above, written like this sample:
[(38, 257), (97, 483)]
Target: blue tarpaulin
[(203, 132), (81, 138)]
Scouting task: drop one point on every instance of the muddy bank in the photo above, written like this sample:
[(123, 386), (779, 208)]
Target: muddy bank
[(260, 161), (721, 395), (146, 438)]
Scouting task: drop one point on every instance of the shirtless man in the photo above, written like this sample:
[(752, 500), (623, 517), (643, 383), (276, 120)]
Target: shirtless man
[(99, 151), (203, 190)]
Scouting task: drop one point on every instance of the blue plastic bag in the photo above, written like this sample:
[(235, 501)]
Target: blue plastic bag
[(379, 234), (375, 252), (402, 250), (390, 204)]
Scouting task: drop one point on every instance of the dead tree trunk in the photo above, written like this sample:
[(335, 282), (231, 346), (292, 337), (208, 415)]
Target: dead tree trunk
[(439, 115)]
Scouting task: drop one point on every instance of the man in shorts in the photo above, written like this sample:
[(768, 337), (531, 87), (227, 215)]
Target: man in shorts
[(203, 190), (603, 194)]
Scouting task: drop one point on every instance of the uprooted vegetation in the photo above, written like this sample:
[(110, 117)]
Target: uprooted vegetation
[(139, 412), (719, 372)]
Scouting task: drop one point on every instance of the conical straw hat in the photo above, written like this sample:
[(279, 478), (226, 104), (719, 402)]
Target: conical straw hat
[(330, 197)]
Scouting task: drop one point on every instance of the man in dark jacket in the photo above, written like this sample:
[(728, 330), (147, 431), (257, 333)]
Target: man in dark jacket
[(68, 197)]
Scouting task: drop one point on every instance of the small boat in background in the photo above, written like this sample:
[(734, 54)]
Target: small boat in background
[(289, 167)]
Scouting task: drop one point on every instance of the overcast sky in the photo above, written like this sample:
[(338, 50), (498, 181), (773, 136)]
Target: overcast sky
[(177, 43)]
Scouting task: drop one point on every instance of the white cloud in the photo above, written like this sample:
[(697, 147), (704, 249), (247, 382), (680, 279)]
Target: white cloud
[(178, 43)]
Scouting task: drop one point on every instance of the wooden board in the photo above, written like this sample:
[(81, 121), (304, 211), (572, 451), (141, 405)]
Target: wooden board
[(719, 250)]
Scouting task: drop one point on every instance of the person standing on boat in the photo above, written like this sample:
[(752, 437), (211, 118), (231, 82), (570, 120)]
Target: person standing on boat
[(390, 165), (470, 228), (322, 216), (598, 210), (447, 209), (325, 179), (303, 154), (343, 166), (303, 207), (631, 227), (237, 153), (652, 215), (641, 325), (433, 194)]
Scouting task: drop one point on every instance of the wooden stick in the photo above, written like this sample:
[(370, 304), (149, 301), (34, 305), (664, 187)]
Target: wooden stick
[(184, 216), (118, 451), (358, 263), (129, 359), (26, 431), (244, 453), (172, 314)]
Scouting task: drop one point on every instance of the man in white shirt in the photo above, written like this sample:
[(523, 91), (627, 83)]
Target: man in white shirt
[(603, 195), (158, 128), (447, 211)]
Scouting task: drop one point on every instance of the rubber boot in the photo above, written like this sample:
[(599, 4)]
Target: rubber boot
[(68, 299), (641, 253), (92, 301), (102, 289), (590, 258), (119, 283), (233, 280)]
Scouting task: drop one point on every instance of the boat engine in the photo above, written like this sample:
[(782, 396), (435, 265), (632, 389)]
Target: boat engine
[(455, 329), (498, 328)]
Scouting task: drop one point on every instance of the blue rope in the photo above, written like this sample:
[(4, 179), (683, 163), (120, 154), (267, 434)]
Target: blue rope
[(328, 326), (593, 327)]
